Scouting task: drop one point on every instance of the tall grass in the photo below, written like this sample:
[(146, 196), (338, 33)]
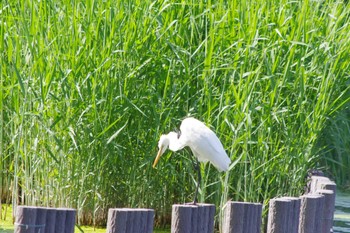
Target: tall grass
[(334, 146), (87, 87)]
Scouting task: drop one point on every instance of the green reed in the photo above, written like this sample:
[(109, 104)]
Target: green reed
[(87, 87)]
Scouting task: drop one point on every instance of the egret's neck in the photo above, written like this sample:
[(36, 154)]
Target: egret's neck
[(175, 143)]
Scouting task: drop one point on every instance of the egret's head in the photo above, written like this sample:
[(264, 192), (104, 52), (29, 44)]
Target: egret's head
[(163, 144)]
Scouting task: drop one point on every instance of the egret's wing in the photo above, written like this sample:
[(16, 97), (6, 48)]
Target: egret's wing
[(204, 143), (209, 148)]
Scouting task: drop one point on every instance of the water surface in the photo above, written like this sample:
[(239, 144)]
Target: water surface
[(342, 213)]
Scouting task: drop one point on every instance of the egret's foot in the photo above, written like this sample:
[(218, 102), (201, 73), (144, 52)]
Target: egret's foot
[(192, 203)]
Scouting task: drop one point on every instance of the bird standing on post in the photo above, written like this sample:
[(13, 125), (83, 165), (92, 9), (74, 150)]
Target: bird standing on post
[(204, 144)]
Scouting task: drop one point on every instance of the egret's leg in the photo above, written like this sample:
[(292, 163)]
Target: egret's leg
[(199, 180)]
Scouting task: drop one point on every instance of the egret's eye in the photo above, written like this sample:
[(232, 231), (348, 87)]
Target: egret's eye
[(178, 134)]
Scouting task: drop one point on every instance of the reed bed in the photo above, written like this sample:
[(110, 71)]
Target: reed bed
[(87, 87)]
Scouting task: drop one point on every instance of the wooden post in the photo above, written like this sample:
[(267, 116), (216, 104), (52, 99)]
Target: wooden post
[(60, 220), (195, 212), (127, 220), (321, 182), (64, 220), (116, 220), (193, 218), (147, 222), (25, 219), (278, 215), (182, 220), (242, 217), (206, 221), (50, 220), (324, 186), (311, 213), (283, 215), (328, 210), (294, 214), (70, 220), (32, 219), (40, 220)]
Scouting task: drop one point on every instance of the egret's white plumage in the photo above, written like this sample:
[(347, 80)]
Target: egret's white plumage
[(205, 145)]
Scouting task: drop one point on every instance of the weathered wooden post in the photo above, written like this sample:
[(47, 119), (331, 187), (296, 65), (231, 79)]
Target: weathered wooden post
[(324, 186), (184, 219), (40, 220), (60, 220), (127, 220), (64, 220), (278, 215), (50, 220), (70, 220), (192, 218), (242, 217), (283, 215), (32, 219), (321, 182), (311, 213), (147, 223), (328, 210), (25, 219), (205, 218), (116, 220), (294, 214)]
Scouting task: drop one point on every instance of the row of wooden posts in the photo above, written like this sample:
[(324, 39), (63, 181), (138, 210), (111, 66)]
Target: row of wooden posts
[(310, 213)]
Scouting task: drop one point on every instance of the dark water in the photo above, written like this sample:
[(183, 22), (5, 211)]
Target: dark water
[(342, 213)]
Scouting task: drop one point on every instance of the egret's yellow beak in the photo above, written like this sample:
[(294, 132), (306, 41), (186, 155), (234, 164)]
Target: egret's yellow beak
[(158, 157)]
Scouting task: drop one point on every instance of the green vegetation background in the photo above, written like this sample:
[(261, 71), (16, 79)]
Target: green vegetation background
[(87, 88)]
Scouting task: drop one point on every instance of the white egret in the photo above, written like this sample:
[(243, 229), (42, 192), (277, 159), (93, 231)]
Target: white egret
[(204, 144)]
